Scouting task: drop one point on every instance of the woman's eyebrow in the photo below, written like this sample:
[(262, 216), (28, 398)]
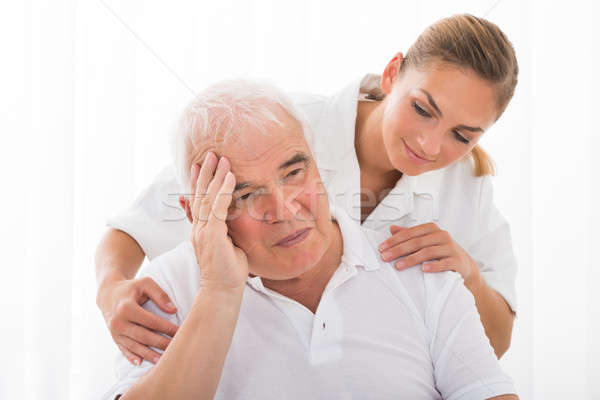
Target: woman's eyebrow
[(432, 102), (469, 128)]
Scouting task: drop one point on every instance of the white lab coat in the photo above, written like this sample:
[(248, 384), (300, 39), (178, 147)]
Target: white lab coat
[(452, 197)]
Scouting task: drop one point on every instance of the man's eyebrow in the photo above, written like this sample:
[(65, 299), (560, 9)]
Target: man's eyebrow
[(242, 185), (295, 159), (432, 102)]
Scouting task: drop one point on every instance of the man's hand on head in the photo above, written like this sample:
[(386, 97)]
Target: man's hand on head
[(222, 264)]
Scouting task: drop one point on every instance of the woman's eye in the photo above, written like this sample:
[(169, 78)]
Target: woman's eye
[(245, 196), (420, 111), (460, 137)]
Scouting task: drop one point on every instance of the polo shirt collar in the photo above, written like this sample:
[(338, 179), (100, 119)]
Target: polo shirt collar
[(358, 250)]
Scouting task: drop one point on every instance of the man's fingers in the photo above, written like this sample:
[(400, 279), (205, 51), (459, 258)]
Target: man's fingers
[(405, 234), (223, 200), (146, 337), (151, 290), (143, 351), (152, 321), (201, 184), (132, 358), (214, 186)]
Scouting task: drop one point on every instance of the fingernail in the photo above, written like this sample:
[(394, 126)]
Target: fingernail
[(382, 247), (170, 305), (136, 361), (426, 267), (400, 264), (155, 359), (386, 256)]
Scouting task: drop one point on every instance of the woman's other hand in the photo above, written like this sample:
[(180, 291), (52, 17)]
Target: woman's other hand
[(430, 246)]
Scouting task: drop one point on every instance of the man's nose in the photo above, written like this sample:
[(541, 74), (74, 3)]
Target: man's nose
[(280, 205)]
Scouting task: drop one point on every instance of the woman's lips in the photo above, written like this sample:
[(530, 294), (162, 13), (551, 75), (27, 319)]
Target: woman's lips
[(414, 156), (294, 238)]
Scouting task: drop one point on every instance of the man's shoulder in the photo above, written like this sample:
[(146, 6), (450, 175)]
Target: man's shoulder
[(176, 272), (424, 288)]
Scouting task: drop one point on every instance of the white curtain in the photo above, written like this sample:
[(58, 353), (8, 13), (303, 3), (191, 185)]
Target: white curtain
[(90, 93)]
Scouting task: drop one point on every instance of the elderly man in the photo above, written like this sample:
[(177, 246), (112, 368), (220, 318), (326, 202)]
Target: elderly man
[(279, 296)]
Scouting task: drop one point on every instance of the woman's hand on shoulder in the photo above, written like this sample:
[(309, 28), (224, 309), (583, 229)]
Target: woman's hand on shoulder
[(133, 328), (430, 246)]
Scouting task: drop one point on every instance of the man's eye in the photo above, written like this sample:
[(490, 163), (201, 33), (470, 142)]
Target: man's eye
[(245, 196), (460, 137), (420, 111), (295, 172)]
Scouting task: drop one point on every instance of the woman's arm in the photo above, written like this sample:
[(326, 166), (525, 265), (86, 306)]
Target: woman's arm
[(496, 316), (119, 297)]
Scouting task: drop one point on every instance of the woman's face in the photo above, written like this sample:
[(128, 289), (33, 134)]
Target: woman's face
[(434, 116)]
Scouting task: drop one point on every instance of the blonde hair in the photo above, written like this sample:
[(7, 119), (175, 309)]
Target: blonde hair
[(474, 43)]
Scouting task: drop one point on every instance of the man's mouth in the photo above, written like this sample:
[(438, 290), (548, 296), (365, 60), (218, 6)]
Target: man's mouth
[(294, 238)]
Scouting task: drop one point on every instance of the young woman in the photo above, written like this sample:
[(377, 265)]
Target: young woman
[(399, 152)]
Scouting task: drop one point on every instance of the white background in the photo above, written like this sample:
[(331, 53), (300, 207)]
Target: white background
[(90, 90)]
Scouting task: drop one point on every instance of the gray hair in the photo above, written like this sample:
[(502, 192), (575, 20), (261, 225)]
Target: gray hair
[(228, 109)]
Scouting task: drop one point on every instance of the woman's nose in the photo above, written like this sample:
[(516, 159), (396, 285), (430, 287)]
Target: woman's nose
[(430, 143)]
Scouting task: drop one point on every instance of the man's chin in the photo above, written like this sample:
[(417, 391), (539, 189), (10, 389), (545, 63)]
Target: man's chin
[(284, 271)]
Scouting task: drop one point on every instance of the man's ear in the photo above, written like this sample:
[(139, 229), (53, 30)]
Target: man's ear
[(390, 73), (185, 205)]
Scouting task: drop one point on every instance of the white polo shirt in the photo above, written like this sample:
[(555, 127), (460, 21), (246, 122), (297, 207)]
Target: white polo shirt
[(452, 197), (377, 333)]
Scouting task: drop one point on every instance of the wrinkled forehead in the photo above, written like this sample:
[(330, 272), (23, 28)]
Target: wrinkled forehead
[(255, 151)]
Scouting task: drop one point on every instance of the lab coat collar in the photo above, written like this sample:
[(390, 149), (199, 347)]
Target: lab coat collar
[(337, 159)]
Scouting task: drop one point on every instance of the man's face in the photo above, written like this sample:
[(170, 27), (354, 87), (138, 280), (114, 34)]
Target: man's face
[(279, 215)]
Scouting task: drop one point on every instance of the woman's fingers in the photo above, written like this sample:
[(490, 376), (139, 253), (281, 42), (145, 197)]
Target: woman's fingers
[(426, 254), (152, 321), (146, 337), (400, 234), (148, 288), (445, 264), (143, 351), (134, 359), (413, 245)]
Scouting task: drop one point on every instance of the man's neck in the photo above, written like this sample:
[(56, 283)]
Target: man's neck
[(308, 288)]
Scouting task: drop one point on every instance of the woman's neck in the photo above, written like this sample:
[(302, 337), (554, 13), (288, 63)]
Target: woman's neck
[(377, 175), (368, 140)]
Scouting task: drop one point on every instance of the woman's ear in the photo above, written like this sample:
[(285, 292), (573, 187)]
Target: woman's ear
[(390, 73), (185, 205)]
